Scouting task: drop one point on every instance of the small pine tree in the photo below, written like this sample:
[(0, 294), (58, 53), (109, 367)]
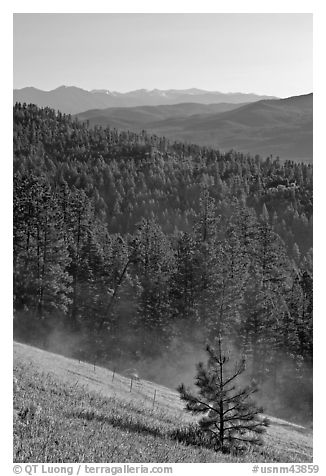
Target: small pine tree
[(229, 413)]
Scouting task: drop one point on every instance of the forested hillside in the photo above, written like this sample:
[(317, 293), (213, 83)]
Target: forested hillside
[(136, 246)]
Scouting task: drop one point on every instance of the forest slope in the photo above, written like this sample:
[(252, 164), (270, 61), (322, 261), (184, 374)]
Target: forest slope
[(126, 241)]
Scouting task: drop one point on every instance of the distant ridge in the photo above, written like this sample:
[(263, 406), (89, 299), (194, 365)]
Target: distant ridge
[(73, 100), (281, 127)]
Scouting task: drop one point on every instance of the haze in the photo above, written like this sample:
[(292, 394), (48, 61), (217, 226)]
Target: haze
[(261, 53)]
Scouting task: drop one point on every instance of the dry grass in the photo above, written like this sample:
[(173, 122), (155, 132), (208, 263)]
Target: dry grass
[(67, 412)]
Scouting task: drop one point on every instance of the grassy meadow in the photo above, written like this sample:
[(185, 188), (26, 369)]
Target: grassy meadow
[(70, 411)]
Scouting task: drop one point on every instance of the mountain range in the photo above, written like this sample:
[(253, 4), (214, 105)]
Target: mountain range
[(245, 122), (73, 100), (280, 127)]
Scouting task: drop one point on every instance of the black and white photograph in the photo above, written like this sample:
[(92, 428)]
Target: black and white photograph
[(162, 241)]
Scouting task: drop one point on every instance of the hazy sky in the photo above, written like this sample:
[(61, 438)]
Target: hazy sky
[(261, 53)]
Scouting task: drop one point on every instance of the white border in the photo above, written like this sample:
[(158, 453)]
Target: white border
[(146, 6)]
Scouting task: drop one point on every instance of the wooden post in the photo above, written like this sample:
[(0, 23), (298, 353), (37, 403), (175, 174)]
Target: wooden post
[(113, 375), (94, 366), (130, 384), (154, 399)]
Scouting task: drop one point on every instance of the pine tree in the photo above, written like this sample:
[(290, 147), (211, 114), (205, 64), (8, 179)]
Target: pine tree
[(186, 283), (229, 413), (264, 300), (80, 225), (229, 271), (153, 267), (205, 238), (206, 220), (41, 258)]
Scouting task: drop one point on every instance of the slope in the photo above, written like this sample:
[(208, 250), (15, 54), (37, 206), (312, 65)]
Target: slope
[(279, 127), (71, 411), (282, 127), (139, 117)]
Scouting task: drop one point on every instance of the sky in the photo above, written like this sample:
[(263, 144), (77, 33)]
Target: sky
[(261, 53)]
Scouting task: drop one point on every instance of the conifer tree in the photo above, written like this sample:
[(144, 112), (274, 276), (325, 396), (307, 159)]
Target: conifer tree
[(264, 300), (40, 251), (186, 282), (153, 265), (229, 275), (229, 414)]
